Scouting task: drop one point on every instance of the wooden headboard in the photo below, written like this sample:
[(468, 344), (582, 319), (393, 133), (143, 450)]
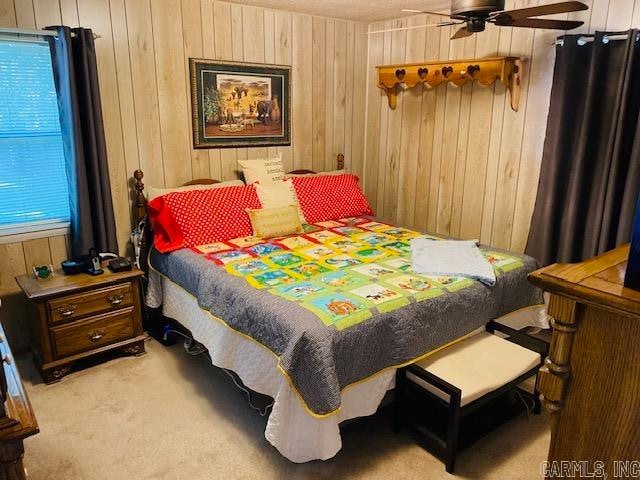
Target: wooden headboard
[(140, 201)]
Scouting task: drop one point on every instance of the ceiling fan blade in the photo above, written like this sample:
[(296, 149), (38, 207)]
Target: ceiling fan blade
[(462, 33), (411, 10), (521, 13), (412, 27), (541, 23)]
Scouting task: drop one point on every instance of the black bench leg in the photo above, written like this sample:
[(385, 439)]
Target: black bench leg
[(453, 432), (398, 401)]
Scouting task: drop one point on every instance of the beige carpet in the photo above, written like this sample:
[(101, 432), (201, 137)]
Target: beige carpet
[(167, 415)]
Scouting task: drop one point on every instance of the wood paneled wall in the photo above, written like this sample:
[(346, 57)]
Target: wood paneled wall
[(143, 53), (459, 161)]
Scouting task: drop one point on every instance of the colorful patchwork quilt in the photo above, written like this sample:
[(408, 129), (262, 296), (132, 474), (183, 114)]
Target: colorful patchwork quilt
[(343, 271), (340, 302)]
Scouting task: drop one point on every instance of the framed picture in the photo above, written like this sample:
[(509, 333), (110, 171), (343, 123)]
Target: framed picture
[(240, 104)]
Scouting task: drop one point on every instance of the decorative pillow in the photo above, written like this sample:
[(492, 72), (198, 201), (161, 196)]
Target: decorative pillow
[(199, 217), (275, 222), (329, 197), (278, 194), (153, 192), (263, 170)]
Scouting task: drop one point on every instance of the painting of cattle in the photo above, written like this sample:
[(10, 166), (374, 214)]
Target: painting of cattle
[(239, 104)]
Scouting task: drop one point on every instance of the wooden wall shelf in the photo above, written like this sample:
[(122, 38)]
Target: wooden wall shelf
[(486, 71)]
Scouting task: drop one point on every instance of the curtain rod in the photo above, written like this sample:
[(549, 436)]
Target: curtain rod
[(590, 37), (37, 33)]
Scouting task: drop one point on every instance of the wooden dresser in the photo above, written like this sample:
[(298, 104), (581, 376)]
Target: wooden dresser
[(81, 315), (591, 380), (17, 420)]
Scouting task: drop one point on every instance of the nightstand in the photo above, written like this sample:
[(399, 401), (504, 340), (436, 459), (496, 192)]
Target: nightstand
[(79, 316), (17, 419)]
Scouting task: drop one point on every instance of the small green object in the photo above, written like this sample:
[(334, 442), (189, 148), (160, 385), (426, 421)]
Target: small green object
[(42, 272)]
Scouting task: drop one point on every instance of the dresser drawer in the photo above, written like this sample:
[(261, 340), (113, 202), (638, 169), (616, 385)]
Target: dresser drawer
[(93, 332), (72, 307)]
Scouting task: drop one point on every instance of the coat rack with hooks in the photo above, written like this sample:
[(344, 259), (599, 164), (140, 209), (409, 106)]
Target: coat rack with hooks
[(391, 78)]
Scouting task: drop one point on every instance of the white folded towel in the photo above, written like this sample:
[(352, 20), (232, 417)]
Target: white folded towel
[(451, 258)]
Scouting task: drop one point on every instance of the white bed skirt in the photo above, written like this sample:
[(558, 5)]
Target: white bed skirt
[(296, 434), (291, 428)]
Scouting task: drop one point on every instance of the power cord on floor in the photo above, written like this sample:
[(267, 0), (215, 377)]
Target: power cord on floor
[(524, 401), (193, 347), (263, 412)]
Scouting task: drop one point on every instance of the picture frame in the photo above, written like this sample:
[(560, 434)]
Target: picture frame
[(237, 104)]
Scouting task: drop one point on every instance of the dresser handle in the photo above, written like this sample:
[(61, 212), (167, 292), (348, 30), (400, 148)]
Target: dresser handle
[(67, 310), (115, 299), (95, 336)]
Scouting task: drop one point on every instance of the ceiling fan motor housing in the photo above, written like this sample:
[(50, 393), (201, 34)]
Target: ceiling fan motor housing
[(475, 8), (475, 25)]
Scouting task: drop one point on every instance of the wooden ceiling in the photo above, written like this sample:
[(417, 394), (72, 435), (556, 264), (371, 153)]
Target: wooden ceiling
[(358, 10)]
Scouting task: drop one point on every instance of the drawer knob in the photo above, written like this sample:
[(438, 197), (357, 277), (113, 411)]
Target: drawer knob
[(95, 336), (67, 310), (115, 299), (7, 359)]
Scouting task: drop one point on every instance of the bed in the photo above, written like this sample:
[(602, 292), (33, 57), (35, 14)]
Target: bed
[(321, 320)]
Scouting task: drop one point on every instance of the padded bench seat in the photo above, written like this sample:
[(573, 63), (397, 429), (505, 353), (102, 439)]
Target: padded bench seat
[(477, 365), (467, 375)]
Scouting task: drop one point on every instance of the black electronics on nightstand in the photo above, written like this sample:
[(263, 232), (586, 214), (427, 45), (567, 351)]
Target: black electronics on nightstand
[(120, 265)]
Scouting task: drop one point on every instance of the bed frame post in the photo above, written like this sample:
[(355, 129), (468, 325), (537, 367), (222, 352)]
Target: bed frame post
[(140, 203), (139, 214)]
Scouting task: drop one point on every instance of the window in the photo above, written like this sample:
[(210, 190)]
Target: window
[(34, 192)]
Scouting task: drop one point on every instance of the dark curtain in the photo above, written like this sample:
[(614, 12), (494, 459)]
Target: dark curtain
[(590, 173), (76, 78)]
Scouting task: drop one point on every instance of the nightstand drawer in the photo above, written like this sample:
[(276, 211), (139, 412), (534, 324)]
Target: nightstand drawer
[(72, 307), (93, 332)]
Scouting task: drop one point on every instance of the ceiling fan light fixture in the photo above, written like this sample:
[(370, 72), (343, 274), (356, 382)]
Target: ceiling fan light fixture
[(475, 25)]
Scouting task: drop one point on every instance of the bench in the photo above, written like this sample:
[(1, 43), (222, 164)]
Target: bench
[(466, 376)]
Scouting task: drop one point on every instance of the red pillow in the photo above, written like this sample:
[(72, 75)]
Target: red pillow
[(329, 197), (198, 217)]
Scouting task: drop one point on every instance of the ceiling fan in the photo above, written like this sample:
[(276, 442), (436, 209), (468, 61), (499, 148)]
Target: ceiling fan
[(477, 13)]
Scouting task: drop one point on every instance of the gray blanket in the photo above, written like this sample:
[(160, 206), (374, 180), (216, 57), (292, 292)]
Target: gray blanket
[(321, 360)]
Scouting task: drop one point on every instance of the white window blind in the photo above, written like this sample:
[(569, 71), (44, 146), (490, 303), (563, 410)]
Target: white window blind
[(33, 183)]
